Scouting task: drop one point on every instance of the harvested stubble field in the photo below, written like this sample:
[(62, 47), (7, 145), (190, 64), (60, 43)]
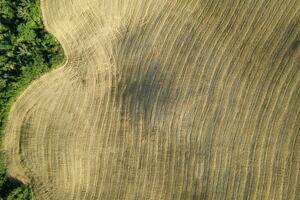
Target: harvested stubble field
[(160, 99)]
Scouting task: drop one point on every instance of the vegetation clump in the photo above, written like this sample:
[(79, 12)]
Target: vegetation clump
[(26, 52)]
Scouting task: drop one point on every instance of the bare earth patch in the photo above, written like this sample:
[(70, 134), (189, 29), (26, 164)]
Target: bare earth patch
[(159, 99)]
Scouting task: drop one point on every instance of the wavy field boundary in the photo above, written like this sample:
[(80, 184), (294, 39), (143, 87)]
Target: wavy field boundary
[(163, 99)]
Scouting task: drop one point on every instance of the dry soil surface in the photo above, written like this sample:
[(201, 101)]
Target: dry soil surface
[(164, 99)]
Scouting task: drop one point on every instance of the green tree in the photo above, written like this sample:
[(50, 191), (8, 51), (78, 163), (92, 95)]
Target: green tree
[(20, 193), (26, 52)]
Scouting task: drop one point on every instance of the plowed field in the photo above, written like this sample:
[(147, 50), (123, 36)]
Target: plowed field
[(161, 99)]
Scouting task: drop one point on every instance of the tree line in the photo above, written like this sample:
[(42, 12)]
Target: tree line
[(26, 52)]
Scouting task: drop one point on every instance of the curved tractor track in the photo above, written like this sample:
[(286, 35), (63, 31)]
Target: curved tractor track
[(161, 99)]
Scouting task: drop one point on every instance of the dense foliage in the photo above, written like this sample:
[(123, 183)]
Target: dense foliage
[(26, 52)]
